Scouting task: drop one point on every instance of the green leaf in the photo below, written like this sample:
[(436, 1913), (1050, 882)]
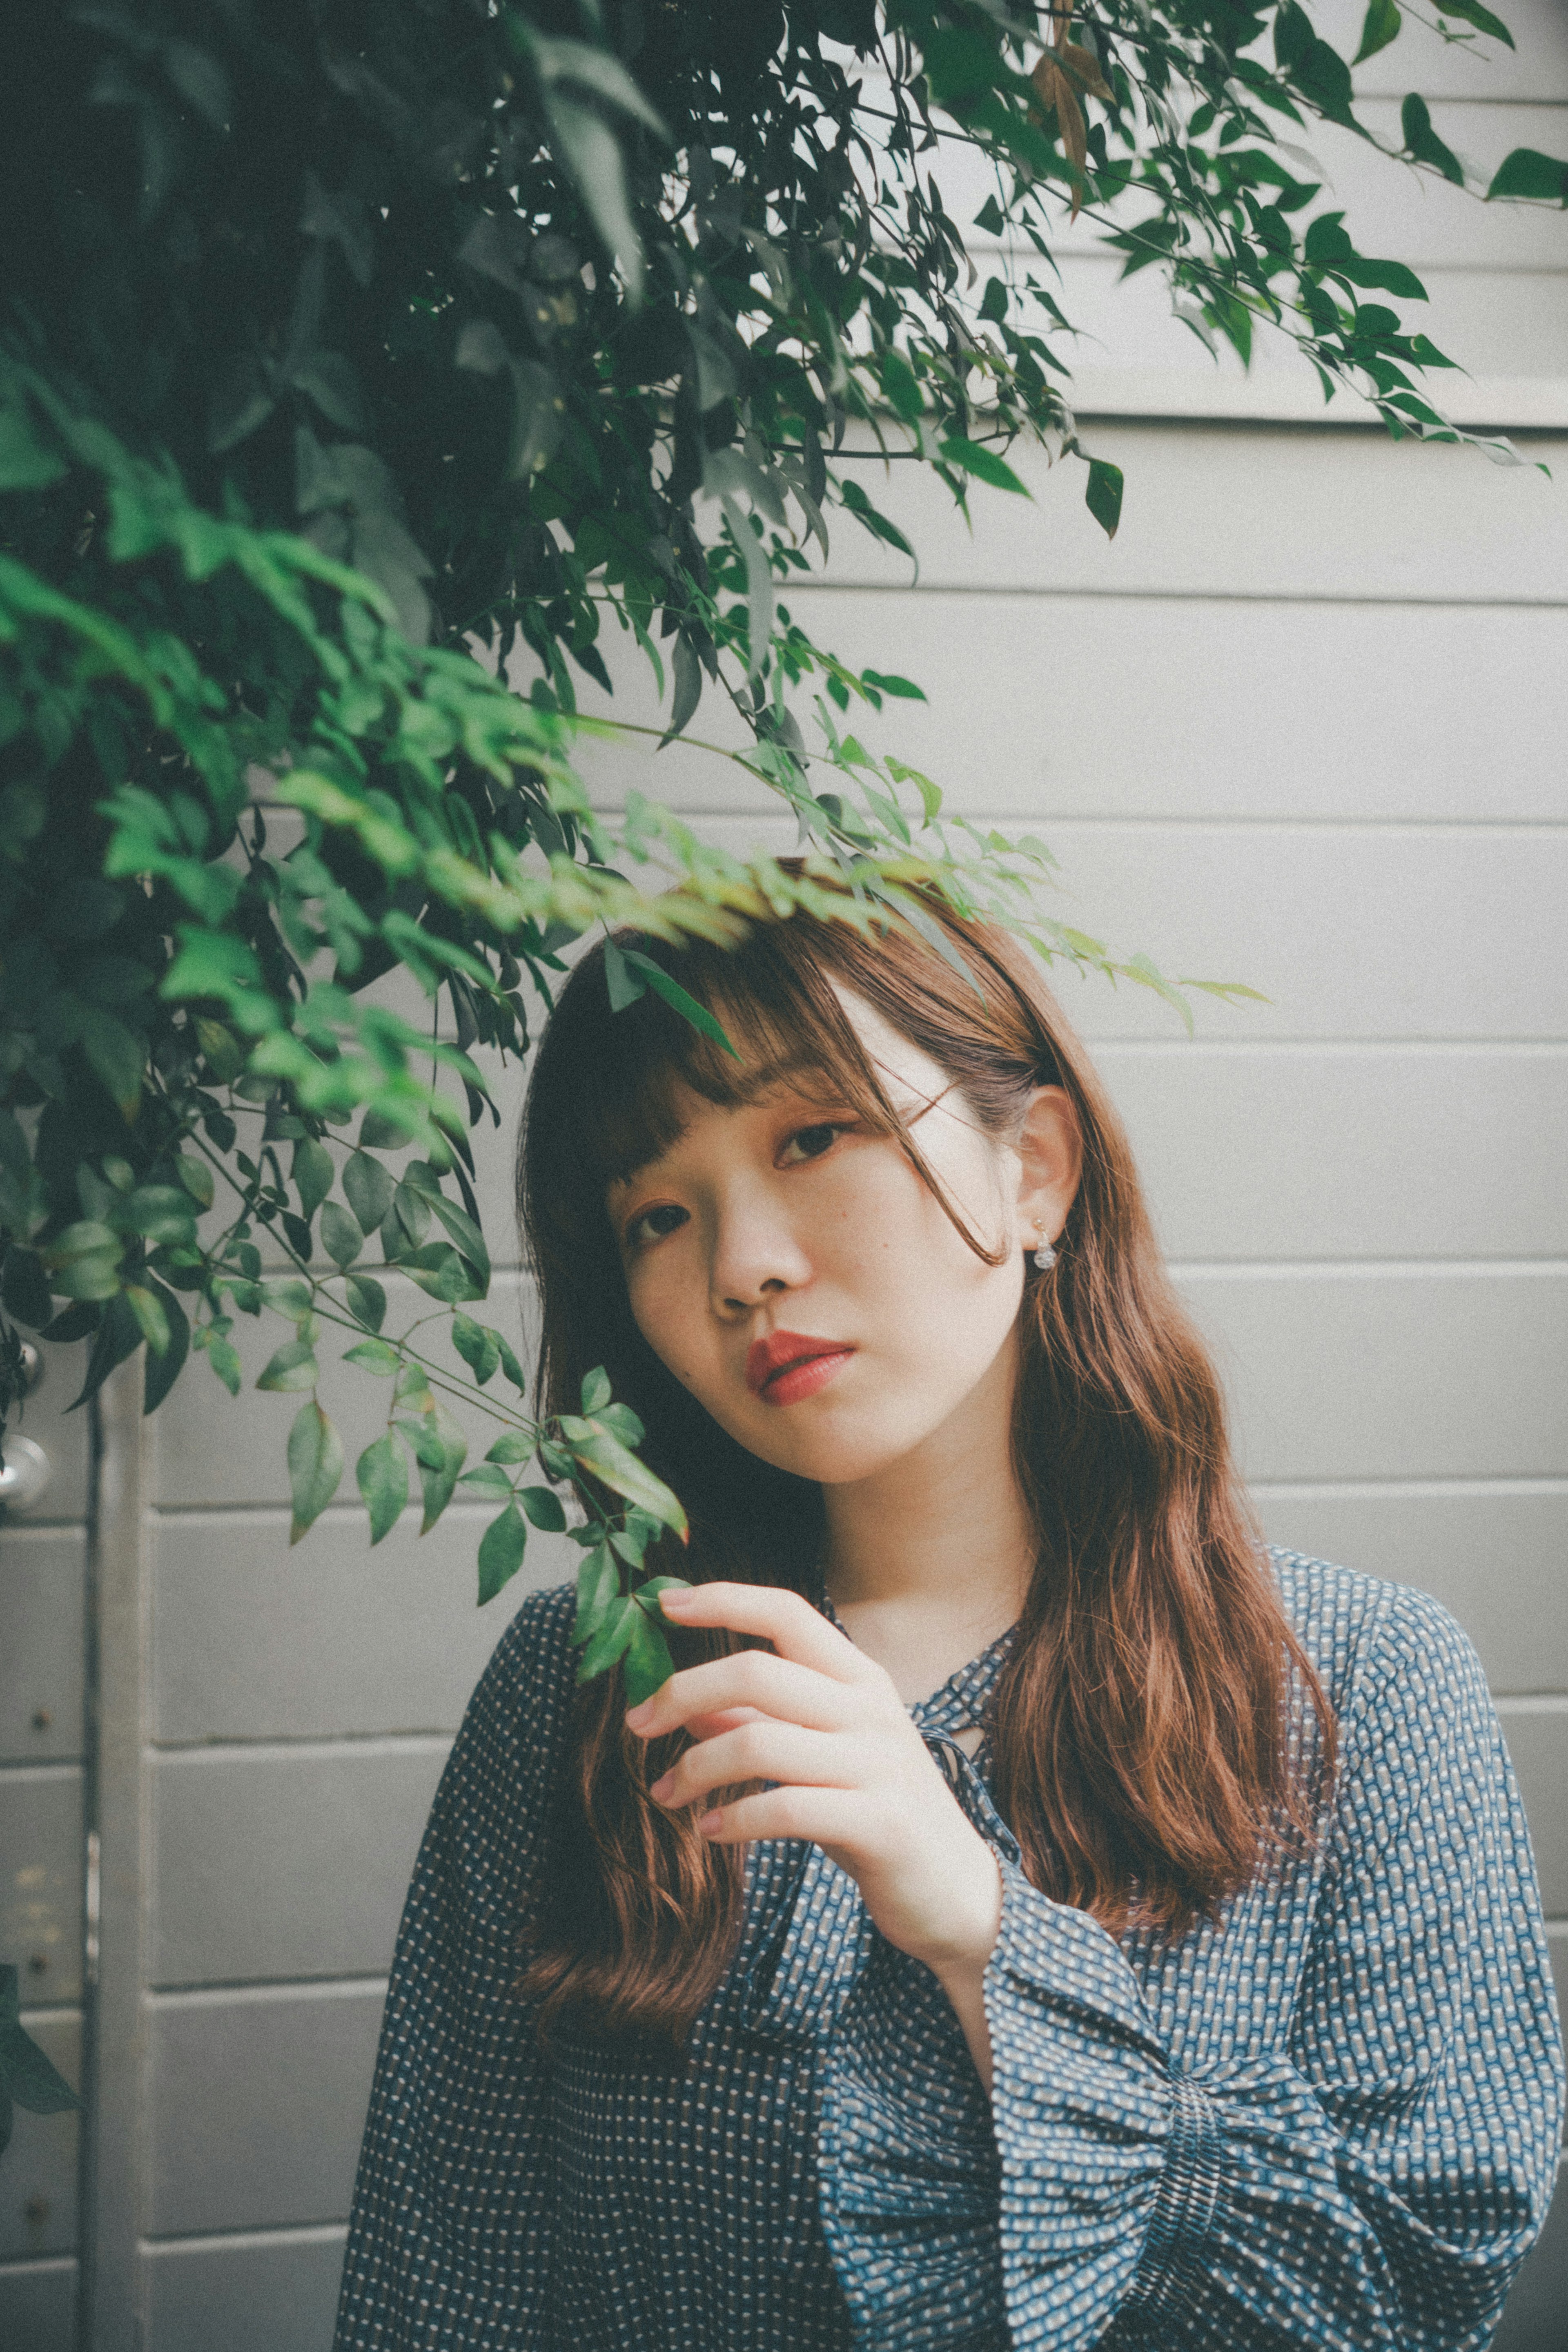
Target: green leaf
[(901, 688), (315, 1466), (898, 381), (515, 1445), (598, 1588), (161, 1370), (377, 1356), (487, 1477), (676, 997), (223, 1358), (544, 1508), (647, 1594), (313, 1171), (647, 1663), (292, 1367), (1102, 495), (1472, 13), (340, 1235), (509, 1363), (438, 1483), (366, 1300), (289, 1297), (1423, 143), (971, 457), (1528, 176), (609, 1462), (501, 1549), (596, 1390), (368, 1190), (150, 1315), (616, 1625), (382, 1474), (1381, 26), (197, 1179), (478, 1346)]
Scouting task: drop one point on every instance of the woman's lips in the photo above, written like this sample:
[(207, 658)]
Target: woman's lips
[(789, 1365)]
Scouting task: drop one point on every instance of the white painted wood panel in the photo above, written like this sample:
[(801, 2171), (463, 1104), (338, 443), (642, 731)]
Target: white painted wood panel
[(288, 1862), (38, 2305), (1044, 708), (1352, 933), (1260, 512), (1535, 69), (1494, 1553), (255, 1641), (38, 2174), (276, 2291), (43, 1575), (1403, 1373), (257, 2105), (41, 1879), (1328, 1152)]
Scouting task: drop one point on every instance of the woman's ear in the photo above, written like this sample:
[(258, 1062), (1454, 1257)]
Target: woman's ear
[(1050, 1148)]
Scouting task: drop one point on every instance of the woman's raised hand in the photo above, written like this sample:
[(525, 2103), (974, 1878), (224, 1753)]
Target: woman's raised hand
[(826, 1724)]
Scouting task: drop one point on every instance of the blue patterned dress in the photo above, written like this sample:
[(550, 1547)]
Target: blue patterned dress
[(1329, 2120)]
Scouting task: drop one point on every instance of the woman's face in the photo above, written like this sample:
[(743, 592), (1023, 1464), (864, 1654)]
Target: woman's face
[(794, 1273)]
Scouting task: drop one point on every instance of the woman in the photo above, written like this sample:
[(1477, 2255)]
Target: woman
[(1032, 1914)]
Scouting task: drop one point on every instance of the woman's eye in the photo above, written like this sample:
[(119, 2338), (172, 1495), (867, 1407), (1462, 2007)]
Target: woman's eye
[(654, 1224), (811, 1142)]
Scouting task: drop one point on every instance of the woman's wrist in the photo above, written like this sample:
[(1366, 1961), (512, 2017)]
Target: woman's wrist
[(959, 1960)]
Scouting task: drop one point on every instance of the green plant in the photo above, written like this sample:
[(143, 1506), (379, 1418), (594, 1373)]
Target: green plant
[(359, 360)]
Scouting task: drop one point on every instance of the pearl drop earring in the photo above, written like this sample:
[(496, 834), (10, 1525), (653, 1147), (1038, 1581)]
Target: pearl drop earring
[(1045, 1256)]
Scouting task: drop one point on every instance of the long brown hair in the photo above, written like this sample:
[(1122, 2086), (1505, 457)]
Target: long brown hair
[(1141, 1727)]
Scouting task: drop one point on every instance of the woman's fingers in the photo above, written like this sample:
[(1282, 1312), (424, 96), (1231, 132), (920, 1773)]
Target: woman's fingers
[(761, 1751), (750, 1678), (828, 1817), (770, 1614)]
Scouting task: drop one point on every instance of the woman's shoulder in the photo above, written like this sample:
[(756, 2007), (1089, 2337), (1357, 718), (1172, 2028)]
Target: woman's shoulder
[(522, 1698), (1361, 1630)]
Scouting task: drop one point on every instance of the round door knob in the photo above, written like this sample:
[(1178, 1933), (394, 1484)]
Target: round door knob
[(25, 1472)]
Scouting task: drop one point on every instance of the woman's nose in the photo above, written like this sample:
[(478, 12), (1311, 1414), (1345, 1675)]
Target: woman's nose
[(754, 1256)]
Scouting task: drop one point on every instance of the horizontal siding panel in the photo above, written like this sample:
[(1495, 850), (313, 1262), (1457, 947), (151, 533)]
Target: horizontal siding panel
[(1352, 933), (38, 2174), (37, 2307), (1537, 1739), (1372, 932), (41, 1879), (1314, 1151), (43, 1577), (269, 2294), (1536, 68), (1495, 1557), (216, 1449), (257, 2107), (285, 1864), (1341, 1376), (255, 1641), (1446, 711), (1210, 511)]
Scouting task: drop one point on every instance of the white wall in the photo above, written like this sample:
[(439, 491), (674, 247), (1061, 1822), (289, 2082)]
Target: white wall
[(1302, 725)]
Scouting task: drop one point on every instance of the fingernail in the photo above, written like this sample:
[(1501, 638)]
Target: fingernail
[(662, 1787), (678, 1598), (710, 1822), (636, 1717)]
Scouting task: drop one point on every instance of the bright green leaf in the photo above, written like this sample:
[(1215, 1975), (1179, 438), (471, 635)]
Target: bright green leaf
[(292, 1367), (376, 1355), (544, 1508), (647, 1663), (972, 457)]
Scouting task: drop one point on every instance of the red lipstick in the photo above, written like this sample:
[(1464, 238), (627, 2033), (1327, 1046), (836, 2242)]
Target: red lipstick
[(789, 1365)]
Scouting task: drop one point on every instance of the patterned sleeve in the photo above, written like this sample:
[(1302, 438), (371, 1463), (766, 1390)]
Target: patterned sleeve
[(448, 2241), (1369, 2180)]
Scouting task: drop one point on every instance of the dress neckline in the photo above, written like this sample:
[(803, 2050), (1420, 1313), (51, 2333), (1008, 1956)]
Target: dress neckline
[(960, 1703)]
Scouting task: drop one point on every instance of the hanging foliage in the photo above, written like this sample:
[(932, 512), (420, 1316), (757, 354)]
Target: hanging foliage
[(364, 367)]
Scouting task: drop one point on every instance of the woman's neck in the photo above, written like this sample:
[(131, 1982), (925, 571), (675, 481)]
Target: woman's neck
[(930, 1560)]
